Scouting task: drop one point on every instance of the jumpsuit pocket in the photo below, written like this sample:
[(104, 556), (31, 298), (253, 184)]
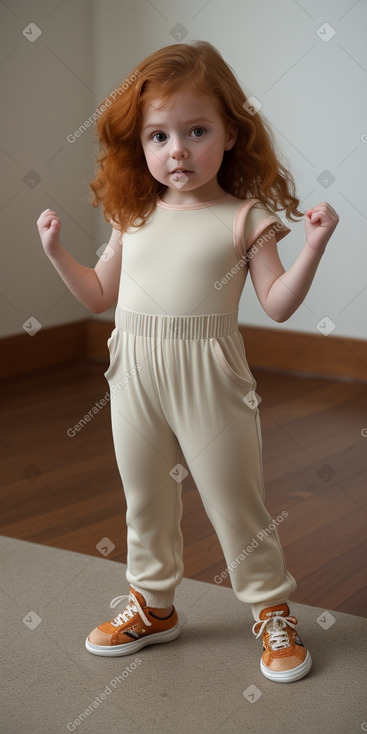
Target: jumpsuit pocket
[(230, 354), (112, 344)]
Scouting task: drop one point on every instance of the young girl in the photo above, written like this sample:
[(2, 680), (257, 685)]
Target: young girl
[(190, 182)]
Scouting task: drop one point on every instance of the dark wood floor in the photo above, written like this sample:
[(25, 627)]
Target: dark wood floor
[(65, 491)]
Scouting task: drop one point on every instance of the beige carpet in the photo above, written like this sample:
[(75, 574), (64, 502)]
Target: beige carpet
[(208, 681)]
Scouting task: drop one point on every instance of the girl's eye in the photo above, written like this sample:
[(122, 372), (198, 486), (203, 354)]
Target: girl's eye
[(159, 137), (198, 132)]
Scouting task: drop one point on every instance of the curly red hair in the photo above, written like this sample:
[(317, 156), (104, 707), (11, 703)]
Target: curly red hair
[(251, 169)]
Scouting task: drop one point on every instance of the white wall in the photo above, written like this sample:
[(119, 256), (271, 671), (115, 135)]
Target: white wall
[(46, 91), (313, 92)]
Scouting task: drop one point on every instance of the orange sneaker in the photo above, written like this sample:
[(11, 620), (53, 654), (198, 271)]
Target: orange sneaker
[(284, 658), (132, 629)]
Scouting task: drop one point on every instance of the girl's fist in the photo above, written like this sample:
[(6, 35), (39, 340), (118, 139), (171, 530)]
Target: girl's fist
[(49, 227), (320, 222)]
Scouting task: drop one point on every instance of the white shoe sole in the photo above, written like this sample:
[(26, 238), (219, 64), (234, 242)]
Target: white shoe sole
[(129, 648), (288, 676)]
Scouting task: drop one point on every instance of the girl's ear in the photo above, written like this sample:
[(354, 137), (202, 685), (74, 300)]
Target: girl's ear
[(231, 136)]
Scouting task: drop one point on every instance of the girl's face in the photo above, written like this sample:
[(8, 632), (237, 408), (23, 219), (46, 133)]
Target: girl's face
[(184, 143)]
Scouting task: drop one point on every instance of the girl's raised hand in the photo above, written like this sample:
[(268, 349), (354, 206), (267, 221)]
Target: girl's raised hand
[(320, 222), (49, 227)]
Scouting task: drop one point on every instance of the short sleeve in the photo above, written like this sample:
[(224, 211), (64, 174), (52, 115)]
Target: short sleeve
[(116, 227), (258, 221)]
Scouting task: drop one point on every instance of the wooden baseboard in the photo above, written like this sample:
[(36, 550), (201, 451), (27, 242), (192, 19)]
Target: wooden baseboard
[(276, 349), (23, 353), (97, 333), (313, 354)]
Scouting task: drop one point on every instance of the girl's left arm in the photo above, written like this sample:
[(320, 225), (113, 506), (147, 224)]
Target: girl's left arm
[(280, 291)]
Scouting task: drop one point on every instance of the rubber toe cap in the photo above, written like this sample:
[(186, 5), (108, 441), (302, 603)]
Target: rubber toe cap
[(97, 637)]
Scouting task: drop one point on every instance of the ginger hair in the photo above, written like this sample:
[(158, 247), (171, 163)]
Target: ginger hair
[(251, 169)]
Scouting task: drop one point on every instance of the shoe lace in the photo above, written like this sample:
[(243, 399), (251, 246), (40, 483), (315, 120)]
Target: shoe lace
[(130, 610), (277, 629)]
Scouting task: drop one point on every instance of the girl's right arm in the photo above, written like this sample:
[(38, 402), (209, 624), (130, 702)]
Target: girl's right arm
[(96, 288)]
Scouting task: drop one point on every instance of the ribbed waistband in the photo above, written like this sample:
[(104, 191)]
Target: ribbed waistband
[(176, 327)]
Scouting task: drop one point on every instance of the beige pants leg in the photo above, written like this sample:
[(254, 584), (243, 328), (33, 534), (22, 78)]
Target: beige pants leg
[(182, 386)]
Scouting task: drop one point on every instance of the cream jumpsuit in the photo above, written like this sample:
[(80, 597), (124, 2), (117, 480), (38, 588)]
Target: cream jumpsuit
[(181, 388)]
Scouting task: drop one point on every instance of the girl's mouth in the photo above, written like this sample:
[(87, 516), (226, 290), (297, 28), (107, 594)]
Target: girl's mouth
[(179, 175)]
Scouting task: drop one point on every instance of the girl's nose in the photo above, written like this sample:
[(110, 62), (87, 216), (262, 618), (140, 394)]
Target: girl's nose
[(178, 149)]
